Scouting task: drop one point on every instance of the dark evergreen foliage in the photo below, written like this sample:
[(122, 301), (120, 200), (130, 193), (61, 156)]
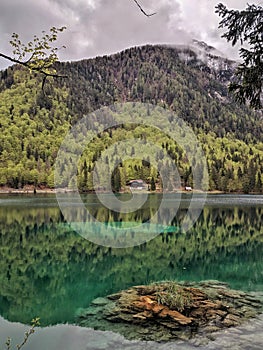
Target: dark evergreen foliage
[(246, 27), (33, 123)]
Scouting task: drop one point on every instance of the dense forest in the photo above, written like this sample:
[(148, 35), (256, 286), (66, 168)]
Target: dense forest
[(33, 122)]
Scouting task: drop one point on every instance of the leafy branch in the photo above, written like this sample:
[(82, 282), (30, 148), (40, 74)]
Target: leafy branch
[(37, 55), (35, 323)]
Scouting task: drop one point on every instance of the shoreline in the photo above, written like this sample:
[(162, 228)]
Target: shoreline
[(68, 336), (27, 191), (9, 190)]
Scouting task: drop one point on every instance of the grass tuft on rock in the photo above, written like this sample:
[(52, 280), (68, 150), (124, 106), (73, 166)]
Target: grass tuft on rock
[(174, 296)]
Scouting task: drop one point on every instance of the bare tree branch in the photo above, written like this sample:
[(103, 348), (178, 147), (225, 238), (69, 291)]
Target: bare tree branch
[(142, 10)]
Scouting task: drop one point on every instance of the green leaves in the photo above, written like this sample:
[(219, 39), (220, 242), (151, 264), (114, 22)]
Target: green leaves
[(38, 54)]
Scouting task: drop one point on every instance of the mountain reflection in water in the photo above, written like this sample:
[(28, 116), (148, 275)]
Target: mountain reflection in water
[(49, 271)]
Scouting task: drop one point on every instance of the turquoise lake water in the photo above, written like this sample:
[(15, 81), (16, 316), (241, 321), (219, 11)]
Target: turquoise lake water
[(50, 271)]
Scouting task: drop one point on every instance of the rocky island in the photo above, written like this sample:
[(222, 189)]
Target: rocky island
[(170, 310)]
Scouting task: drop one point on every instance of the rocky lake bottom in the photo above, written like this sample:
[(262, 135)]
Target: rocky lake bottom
[(168, 311), (212, 316)]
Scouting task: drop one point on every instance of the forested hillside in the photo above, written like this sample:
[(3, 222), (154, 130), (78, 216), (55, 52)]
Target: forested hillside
[(33, 122)]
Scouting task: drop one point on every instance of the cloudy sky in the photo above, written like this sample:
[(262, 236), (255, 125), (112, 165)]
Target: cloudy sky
[(99, 27)]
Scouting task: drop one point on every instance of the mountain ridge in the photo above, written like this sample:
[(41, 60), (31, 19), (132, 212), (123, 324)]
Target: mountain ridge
[(33, 122)]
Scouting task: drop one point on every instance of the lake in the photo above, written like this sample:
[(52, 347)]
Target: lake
[(50, 271)]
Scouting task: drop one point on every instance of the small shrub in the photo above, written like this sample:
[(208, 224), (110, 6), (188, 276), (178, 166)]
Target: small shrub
[(174, 296), (35, 322)]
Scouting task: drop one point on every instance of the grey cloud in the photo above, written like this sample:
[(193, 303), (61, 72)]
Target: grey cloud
[(98, 27), (26, 18), (115, 25)]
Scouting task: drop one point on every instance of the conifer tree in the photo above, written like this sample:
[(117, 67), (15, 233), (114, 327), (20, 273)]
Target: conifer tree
[(246, 28)]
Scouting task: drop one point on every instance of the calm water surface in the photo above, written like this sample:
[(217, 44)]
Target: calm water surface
[(49, 271)]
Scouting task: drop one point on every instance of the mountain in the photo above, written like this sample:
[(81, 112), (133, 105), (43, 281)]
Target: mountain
[(190, 80), (213, 59)]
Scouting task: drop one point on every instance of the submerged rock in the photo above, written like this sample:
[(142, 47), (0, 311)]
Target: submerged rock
[(100, 301), (170, 310)]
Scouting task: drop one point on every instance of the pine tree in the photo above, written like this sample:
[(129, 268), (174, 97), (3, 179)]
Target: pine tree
[(246, 27), (153, 186), (259, 186), (116, 180)]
